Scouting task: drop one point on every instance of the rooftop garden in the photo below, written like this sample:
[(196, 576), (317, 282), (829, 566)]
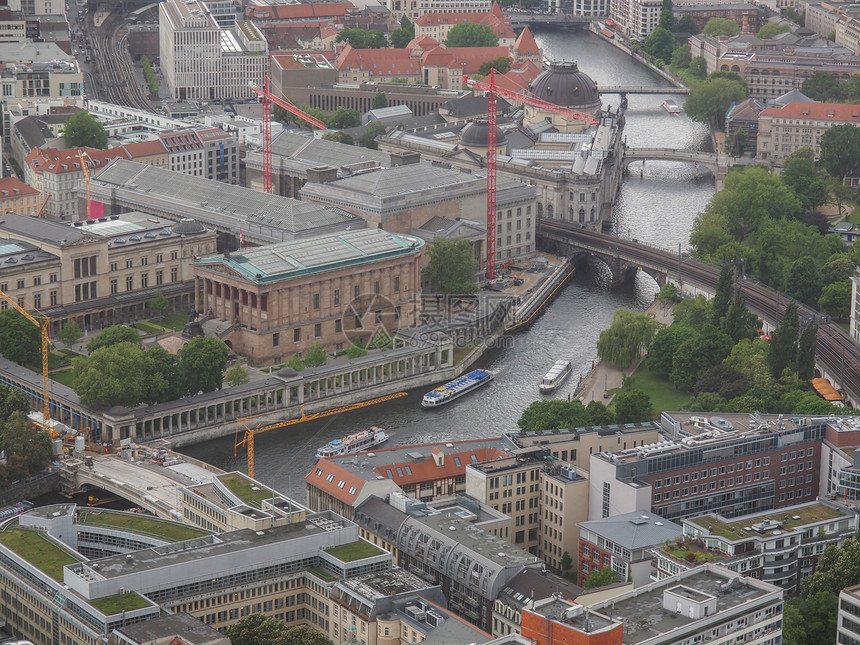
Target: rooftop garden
[(111, 605), (323, 574), (692, 551), (734, 530), (246, 489), (170, 531), (40, 551), (354, 551)]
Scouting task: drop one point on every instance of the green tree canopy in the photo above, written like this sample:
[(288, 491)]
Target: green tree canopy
[(70, 334), (202, 362), (708, 101), (838, 568), (681, 57), (627, 337), (723, 294), (840, 149), (838, 267), (344, 118), (660, 43), (13, 400), (800, 174), (566, 562), (28, 450), (783, 342), (687, 25), (451, 267), (721, 27), (362, 38), (835, 299), (632, 406), (553, 415), (159, 304), (257, 629), (111, 375), (666, 342), (163, 377), (600, 578), (368, 137), (699, 67), (236, 375), (696, 355), (817, 616), (803, 281), (113, 335), (82, 130), (20, 339), (502, 65), (667, 20), (822, 86), (772, 29), (380, 100), (339, 137), (471, 34), (749, 358), (805, 364), (305, 635)]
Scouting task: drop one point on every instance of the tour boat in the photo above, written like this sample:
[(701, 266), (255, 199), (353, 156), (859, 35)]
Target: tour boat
[(357, 442), (671, 107), (456, 388), (555, 377)]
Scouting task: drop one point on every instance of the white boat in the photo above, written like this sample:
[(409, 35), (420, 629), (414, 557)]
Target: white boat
[(456, 388), (356, 442), (555, 377), (671, 107)]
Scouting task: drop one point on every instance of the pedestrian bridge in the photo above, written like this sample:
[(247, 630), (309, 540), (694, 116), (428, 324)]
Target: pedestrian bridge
[(710, 160), (520, 20), (638, 89)]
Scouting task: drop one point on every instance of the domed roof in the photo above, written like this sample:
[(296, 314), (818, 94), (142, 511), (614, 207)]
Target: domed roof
[(563, 84), (286, 372), (475, 134), (188, 226)]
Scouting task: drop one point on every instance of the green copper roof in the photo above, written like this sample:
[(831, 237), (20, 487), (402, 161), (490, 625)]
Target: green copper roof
[(276, 262)]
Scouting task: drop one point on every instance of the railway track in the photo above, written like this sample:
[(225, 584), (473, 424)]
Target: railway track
[(835, 350)]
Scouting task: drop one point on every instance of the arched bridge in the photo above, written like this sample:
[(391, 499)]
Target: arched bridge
[(710, 160), (837, 356), (519, 20), (638, 89)]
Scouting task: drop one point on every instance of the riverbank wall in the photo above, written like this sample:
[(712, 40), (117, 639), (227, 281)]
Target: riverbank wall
[(623, 46)]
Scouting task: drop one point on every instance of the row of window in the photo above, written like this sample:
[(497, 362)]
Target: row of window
[(144, 280)]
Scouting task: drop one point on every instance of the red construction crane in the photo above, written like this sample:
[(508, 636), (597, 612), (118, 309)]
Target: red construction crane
[(492, 93), (266, 100), (42, 207)]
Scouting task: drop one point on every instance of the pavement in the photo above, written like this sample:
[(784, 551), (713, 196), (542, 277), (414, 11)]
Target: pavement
[(602, 383)]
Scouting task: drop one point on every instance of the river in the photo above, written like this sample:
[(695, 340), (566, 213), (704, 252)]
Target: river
[(657, 208)]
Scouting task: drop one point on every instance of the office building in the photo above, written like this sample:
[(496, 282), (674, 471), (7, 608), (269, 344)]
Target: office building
[(521, 592), (848, 620), (211, 153), (782, 130), (39, 70), (748, 17), (781, 547)]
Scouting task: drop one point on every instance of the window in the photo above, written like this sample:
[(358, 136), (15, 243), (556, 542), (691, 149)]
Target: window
[(53, 298), (318, 330), (37, 281), (276, 339), (316, 301), (37, 300), (297, 335), (144, 261), (20, 284), (174, 274), (52, 277), (114, 288), (336, 296), (396, 287), (144, 280), (338, 326), (356, 292), (159, 277), (376, 287)]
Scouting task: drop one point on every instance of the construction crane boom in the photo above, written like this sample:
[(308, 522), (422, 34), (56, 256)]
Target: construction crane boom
[(249, 433), (266, 99), (491, 177), (87, 178), (530, 99), (44, 203), (44, 325)]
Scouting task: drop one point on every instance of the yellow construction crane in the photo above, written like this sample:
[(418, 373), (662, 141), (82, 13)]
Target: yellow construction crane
[(250, 432), (44, 323), (87, 178)]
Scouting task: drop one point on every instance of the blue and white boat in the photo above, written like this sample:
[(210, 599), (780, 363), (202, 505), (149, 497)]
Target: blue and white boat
[(456, 388), (357, 442)]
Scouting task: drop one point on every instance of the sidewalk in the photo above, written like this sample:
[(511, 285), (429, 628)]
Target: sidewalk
[(605, 378)]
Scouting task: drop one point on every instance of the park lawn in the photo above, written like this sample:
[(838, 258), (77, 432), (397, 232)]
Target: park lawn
[(148, 327), (66, 377), (58, 359), (175, 321), (662, 393)]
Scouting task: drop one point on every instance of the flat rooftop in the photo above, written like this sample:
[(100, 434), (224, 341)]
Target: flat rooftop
[(781, 520), (380, 584)]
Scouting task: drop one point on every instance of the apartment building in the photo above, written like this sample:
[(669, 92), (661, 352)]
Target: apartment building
[(424, 471), (780, 547), (39, 70), (78, 271), (734, 464), (624, 543), (848, 33), (635, 18), (18, 198), (748, 17), (211, 153), (848, 620), (782, 130), (437, 25)]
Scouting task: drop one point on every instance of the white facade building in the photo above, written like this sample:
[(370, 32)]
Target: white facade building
[(636, 18)]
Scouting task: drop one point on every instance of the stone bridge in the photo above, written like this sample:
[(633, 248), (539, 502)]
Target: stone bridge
[(520, 20), (638, 89), (717, 164)]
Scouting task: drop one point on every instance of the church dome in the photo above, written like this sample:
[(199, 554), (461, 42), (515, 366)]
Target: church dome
[(475, 134), (563, 84), (188, 226)]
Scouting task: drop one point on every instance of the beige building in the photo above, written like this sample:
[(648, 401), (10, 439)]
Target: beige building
[(282, 299), (18, 198), (77, 271), (848, 33), (782, 130)]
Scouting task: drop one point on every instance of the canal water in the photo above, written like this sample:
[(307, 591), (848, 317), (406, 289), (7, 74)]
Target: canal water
[(657, 207)]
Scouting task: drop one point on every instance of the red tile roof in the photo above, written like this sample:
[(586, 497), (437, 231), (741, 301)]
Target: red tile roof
[(427, 470), (144, 148), (14, 187), (379, 62), (299, 11), (525, 43), (494, 19), (328, 475), (62, 161), (469, 59), (803, 110)]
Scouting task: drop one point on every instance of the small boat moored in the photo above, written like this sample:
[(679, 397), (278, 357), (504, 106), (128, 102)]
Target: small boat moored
[(671, 107), (555, 377), (456, 388), (356, 442)]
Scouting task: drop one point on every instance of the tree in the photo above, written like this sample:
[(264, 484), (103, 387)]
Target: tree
[(163, 376), (599, 414), (471, 34), (82, 130), (283, 116), (721, 27), (722, 380), (339, 137), (793, 624), (70, 334), (111, 375), (553, 415), (660, 43), (566, 562), (681, 57), (601, 578), (699, 67), (159, 304), (822, 86), (723, 294), (739, 322), (803, 281), (202, 362), (708, 101), (28, 450), (236, 375), (380, 100), (315, 356), (668, 20), (731, 76), (749, 358), (257, 629), (113, 335), (687, 25), (362, 38), (840, 193), (632, 406), (305, 635), (666, 342), (838, 568), (772, 29), (783, 341), (627, 337), (451, 267), (835, 299), (800, 174), (344, 118), (840, 149), (13, 400), (740, 140), (819, 615), (502, 65), (401, 37), (753, 196), (20, 339), (696, 355), (851, 89), (805, 364), (368, 137), (838, 268)]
